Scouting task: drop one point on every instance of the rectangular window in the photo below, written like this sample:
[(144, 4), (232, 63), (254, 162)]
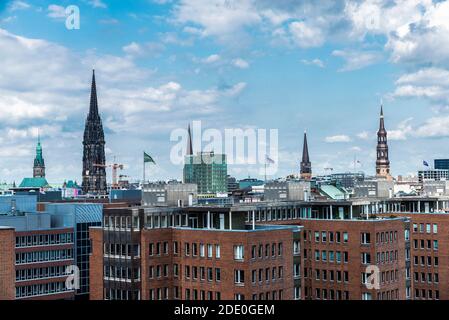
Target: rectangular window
[(239, 276), (238, 252)]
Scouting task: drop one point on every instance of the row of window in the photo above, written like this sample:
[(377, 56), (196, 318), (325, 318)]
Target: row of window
[(388, 295), (430, 228), (331, 256), (202, 273), (385, 277), (425, 244), (121, 222), (40, 289), (201, 250), (330, 294), (387, 257), (43, 256), (427, 294), (40, 273), (121, 273), (118, 294), (328, 275), (273, 274), (122, 250), (386, 237), (44, 240), (423, 259), (271, 250), (269, 295), (426, 277), (330, 237)]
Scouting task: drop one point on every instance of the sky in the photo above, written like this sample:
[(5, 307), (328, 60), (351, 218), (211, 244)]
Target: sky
[(319, 66)]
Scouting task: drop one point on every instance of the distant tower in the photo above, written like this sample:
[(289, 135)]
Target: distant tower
[(382, 163), (306, 166), (39, 163), (94, 170)]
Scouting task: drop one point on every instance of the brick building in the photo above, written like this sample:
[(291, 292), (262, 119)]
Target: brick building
[(194, 253), (34, 258)]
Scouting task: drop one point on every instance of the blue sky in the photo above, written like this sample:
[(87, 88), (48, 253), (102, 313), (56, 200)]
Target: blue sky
[(232, 64)]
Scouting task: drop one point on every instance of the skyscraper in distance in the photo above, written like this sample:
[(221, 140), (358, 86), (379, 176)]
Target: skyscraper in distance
[(94, 160)]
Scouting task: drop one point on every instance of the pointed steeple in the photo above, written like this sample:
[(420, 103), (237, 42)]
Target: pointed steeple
[(39, 163), (189, 142), (382, 162), (381, 121), (93, 110), (306, 166), (305, 149), (94, 174)]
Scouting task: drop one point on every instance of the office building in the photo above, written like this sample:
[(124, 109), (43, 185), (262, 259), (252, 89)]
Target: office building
[(34, 257), (208, 171)]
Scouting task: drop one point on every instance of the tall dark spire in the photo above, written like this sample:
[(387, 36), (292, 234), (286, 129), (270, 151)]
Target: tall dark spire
[(306, 166), (93, 109), (94, 160), (382, 162), (189, 142)]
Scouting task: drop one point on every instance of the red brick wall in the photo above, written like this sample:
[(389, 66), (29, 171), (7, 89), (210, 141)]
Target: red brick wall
[(226, 262), (96, 264), (7, 262)]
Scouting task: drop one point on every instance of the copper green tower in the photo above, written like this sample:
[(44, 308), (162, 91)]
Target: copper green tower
[(39, 163)]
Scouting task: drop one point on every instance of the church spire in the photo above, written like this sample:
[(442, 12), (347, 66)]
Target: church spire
[(306, 166), (93, 109), (189, 142), (94, 160), (382, 162)]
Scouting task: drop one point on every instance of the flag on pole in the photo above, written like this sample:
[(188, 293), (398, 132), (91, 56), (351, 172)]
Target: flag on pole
[(425, 163), (268, 159), (147, 158)]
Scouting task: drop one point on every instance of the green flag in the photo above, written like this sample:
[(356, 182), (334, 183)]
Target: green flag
[(147, 158)]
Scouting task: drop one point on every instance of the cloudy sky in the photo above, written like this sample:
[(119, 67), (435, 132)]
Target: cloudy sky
[(285, 64)]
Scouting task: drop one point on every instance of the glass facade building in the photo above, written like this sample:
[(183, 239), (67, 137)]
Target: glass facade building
[(208, 171)]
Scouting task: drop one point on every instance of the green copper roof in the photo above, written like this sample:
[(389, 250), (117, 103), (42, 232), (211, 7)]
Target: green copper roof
[(39, 160), (34, 183)]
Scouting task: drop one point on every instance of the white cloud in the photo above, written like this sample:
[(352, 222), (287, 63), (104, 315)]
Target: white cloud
[(18, 5), (337, 138), (211, 59), (151, 49), (305, 35), (403, 130), (365, 135), (313, 62), (355, 59), (240, 63), (97, 4), (56, 11), (219, 18)]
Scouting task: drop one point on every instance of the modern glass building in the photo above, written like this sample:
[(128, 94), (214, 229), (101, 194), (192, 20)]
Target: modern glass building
[(79, 216), (442, 164), (207, 170)]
